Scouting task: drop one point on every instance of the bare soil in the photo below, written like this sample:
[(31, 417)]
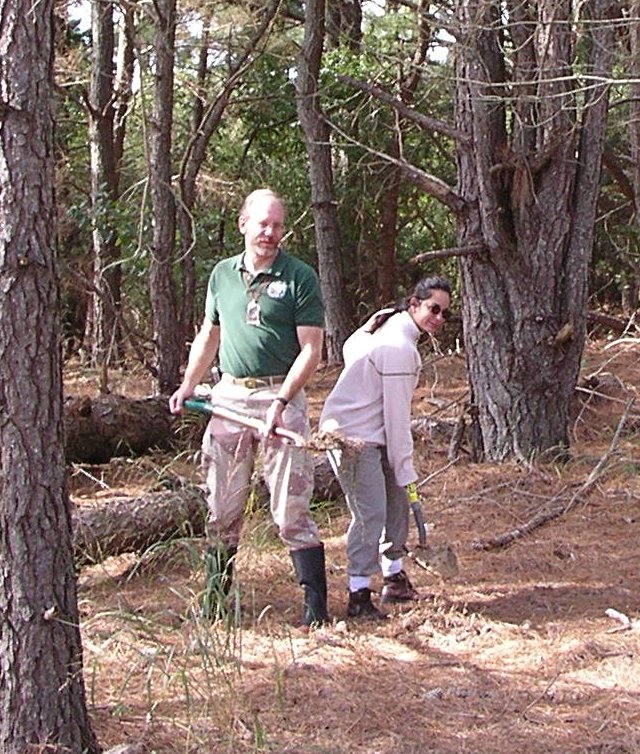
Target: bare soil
[(533, 647)]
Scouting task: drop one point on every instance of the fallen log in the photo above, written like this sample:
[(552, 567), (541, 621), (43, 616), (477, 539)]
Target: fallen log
[(617, 325), (97, 429), (125, 524)]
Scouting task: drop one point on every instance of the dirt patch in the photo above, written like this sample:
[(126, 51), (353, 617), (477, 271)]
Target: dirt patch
[(532, 647)]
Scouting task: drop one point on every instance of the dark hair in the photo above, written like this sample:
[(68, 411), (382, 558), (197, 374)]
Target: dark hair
[(421, 290)]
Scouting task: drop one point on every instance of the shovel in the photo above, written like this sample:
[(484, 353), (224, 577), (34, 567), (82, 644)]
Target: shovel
[(204, 406), (439, 558)]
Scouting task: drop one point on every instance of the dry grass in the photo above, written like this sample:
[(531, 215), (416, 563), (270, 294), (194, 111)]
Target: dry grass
[(517, 653)]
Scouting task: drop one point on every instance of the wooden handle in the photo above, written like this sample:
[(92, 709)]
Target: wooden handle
[(206, 407)]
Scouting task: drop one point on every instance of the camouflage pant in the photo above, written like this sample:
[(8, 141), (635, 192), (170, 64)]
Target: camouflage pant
[(229, 452)]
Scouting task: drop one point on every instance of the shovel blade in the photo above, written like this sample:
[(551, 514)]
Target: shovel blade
[(439, 558)]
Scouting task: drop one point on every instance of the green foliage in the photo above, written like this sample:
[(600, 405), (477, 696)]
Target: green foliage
[(364, 128), (259, 142), (616, 256)]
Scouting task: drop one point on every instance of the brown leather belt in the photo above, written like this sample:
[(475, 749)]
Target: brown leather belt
[(253, 383)]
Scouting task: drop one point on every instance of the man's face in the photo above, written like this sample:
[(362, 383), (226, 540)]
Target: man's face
[(262, 225)]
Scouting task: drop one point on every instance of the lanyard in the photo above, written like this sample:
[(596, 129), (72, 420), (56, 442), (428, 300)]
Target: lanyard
[(253, 313)]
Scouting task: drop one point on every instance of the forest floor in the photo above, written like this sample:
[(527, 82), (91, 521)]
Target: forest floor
[(534, 647)]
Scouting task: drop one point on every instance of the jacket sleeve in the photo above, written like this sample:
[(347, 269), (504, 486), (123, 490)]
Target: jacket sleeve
[(399, 369)]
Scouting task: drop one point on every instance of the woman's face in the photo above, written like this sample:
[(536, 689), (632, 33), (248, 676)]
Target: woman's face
[(429, 314)]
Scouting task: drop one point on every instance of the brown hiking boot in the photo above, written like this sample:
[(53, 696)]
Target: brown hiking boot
[(398, 588), (360, 606)]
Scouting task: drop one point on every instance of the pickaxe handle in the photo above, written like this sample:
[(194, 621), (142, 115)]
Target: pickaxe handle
[(204, 406)]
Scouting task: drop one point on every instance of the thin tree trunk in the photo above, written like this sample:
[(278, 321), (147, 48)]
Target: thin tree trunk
[(392, 179), (388, 200), (42, 694), (344, 24), (632, 292), (323, 200), (102, 336), (166, 332)]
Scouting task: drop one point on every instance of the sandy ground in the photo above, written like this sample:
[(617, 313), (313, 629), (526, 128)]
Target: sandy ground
[(532, 647)]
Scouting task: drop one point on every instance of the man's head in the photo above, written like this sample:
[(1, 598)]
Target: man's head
[(261, 222)]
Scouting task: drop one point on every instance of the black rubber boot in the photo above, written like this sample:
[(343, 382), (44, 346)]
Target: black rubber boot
[(310, 569), (218, 568)]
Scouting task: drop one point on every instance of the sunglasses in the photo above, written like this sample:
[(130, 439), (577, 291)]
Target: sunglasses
[(436, 309)]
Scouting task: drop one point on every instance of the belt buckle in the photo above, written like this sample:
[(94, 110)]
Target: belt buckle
[(251, 383)]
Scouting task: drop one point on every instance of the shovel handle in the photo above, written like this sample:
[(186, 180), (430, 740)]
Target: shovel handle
[(416, 509), (204, 406)]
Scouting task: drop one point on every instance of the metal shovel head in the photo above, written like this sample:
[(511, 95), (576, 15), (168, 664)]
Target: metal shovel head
[(439, 558)]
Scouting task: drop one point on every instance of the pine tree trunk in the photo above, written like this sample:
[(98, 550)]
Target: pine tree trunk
[(531, 197), (167, 335), (103, 337), (323, 199), (42, 695)]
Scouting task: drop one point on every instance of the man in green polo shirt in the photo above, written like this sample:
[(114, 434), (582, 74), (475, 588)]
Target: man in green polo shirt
[(264, 319)]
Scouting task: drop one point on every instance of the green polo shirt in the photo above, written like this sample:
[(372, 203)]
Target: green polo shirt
[(288, 294)]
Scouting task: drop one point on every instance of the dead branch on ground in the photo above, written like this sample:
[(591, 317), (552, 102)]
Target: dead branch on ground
[(544, 516)]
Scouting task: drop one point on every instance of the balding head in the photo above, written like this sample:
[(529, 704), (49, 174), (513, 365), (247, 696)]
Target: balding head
[(257, 196)]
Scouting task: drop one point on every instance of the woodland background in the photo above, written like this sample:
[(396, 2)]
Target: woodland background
[(497, 144), (133, 155)]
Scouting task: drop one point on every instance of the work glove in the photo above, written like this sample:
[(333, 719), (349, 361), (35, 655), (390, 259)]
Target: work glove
[(413, 495)]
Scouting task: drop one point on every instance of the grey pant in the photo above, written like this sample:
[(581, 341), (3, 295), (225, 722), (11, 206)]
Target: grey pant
[(379, 508), (229, 453)]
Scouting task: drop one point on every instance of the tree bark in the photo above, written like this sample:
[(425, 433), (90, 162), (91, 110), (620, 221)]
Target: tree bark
[(166, 333), (323, 199), (127, 525), (531, 197), (42, 694), (98, 429)]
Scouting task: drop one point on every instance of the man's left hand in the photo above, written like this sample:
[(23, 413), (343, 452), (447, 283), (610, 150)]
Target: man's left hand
[(273, 418)]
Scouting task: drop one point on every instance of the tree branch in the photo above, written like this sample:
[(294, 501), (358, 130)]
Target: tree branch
[(424, 121), (544, 516), (454, 251), (430, 184)]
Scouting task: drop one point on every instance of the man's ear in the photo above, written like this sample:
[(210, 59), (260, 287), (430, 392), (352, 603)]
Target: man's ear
[(242, 221)]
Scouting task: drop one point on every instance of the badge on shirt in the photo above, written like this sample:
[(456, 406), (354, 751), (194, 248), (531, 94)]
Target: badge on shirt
[(277, 289), (253, 313)]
